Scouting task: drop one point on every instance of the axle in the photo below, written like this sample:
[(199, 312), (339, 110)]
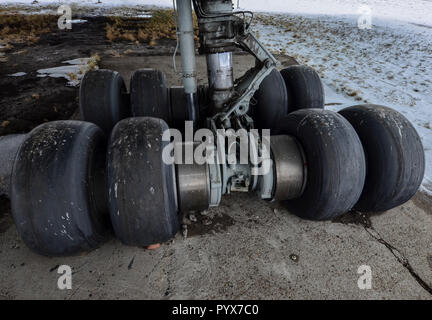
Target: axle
[(274, 171)]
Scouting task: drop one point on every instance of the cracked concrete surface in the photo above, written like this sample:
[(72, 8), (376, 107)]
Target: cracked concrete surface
[(364, 220), (251, 259), (252, 250)]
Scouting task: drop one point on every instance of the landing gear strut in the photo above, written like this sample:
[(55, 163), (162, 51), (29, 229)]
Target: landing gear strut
[(67, 179)]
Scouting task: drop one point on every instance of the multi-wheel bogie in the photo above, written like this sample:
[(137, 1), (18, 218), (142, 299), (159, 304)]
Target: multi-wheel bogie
[(124, 166)]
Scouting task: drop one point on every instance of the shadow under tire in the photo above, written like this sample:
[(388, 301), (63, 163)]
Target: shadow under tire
[(271, 102), (304, 87), (103, 99), (58, 192), (394, 155), (334, 160), (142, 188), (149, 95)]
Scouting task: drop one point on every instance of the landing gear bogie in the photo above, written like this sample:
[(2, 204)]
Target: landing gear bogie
[(71, 177)]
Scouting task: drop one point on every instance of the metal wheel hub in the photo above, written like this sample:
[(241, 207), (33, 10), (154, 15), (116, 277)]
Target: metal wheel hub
[(201, 186)]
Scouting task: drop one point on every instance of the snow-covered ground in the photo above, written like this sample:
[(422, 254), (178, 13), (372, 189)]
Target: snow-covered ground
[(418, 11), (389, 64)]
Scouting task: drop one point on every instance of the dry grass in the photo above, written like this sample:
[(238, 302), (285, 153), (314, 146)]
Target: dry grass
[(25, 28), (93, 62), (160, 26)]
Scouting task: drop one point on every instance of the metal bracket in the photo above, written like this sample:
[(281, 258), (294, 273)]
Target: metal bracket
[(251, 44), (251, 82)]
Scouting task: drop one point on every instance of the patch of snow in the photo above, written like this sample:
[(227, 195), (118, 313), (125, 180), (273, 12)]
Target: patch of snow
[(18, 74), (416, 11), (73, 72), (78, 21), (145, 15), (40, 11), (82, 61)]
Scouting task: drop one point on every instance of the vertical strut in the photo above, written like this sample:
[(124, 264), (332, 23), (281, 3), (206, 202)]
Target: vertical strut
[(220, 75), (187, 47)]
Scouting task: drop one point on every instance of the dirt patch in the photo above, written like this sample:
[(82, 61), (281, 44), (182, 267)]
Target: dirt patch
[(424, 202), (199, 224), (5, 217), (355, 217), (27, 100)]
